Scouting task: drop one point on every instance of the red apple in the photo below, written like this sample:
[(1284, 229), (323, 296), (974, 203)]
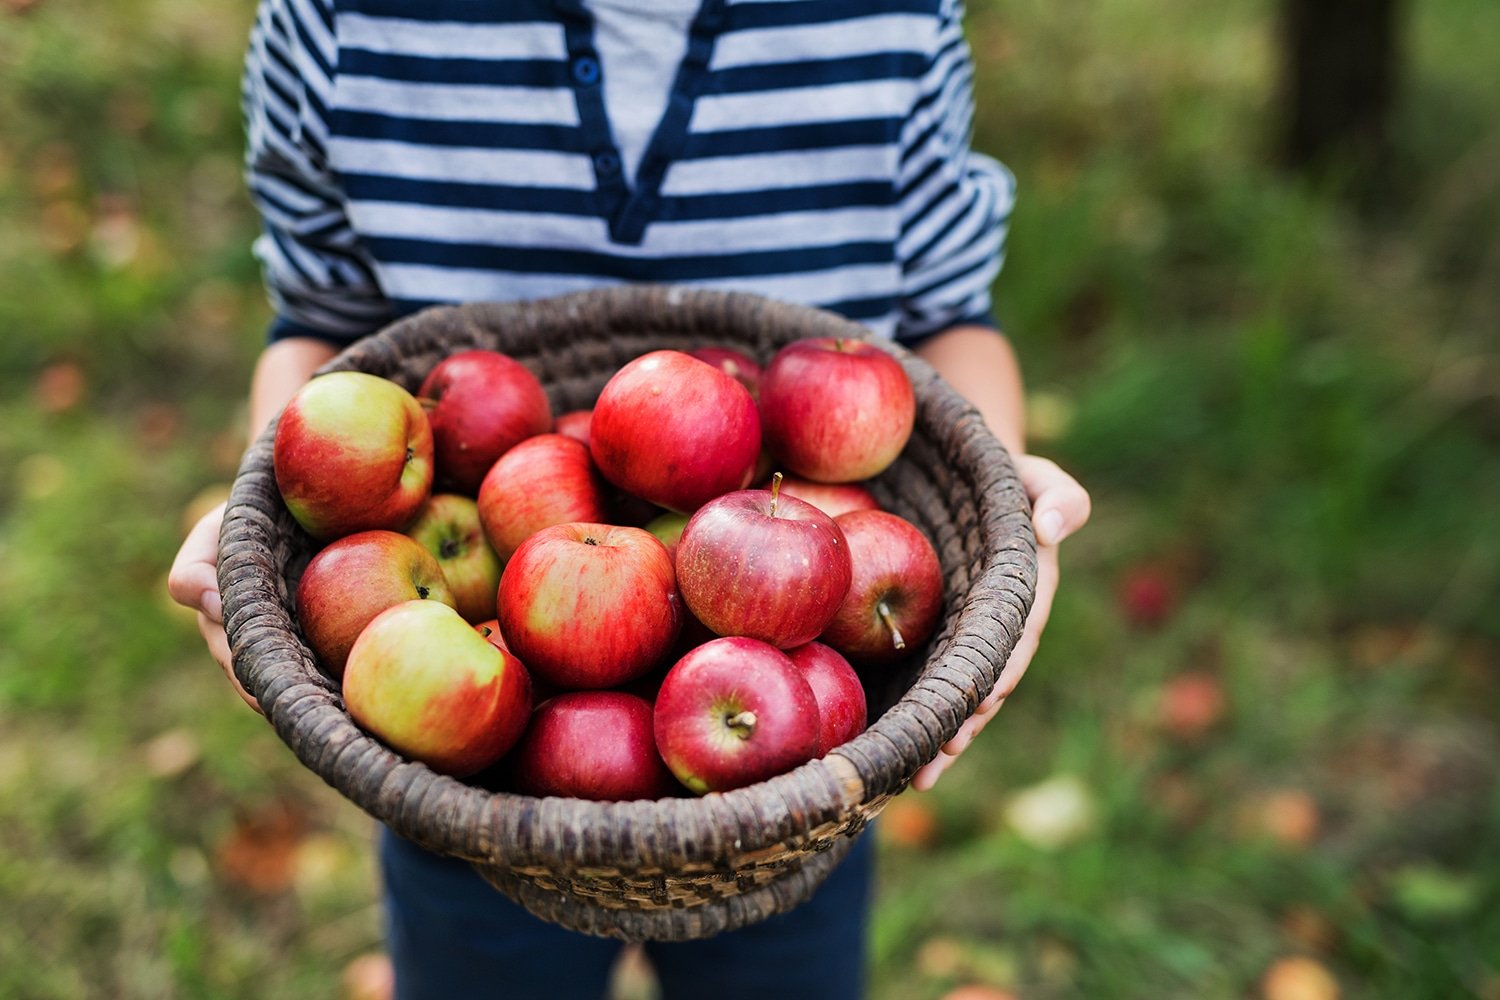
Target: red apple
[(449, 528), (832, 499), (840, 695), (675, 431), (355, 578), (736, 364), (481, 403), (757, 564), (589, 605), (592, 745), (422, 680), (352, 452), (545, 480), (836, 410), (896, 596), (732, 712), (491, 631), (575, 424)]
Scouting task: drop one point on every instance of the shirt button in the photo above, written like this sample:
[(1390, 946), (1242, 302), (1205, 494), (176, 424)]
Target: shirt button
[(586, 70), (606, 162)]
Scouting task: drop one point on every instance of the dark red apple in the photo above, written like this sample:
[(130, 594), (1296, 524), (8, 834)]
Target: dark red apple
[(675, 431), (449, 528), (431, 687), (353, 579), (832, 499), (896, 596), (481, 404), (732, 712), (592, 745), (836, 410), (736, 364), (575, 424), (545, 480), (757, 564), (589, 605), (840, 695), (352, 452)]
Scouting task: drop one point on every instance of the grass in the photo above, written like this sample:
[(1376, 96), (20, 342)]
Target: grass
[(1262, 723)]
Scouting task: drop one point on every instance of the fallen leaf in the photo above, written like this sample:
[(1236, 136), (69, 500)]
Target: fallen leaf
[(259, 852), (908, 822), (59, 387), (1299, 978), (1291, 817), (1191, 704), (978, 991), (171, 753)]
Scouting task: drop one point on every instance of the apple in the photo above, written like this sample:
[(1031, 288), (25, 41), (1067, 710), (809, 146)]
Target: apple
[(480, 403), (355, 578), (896, 596), (592, 745), (352, 452), (575, 424), (757, 564), (732, 712), (668, 529), (589, 605), (675, 431), (422, 680), (736, 364), (840, 695), (545, 480), (836, 410), (832, 499), (491, 631), (448, 527)]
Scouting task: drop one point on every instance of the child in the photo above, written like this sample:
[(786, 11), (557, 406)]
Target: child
[(816, 152)]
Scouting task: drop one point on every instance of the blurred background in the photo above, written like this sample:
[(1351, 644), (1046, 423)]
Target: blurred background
[(1255, 279)]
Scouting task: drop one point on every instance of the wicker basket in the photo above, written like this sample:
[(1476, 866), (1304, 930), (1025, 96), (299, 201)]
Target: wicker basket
[(675, 869)]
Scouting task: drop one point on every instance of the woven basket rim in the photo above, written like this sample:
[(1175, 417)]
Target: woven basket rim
[(507, 829)]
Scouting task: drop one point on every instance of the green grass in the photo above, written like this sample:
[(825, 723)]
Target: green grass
[(1285, 411)]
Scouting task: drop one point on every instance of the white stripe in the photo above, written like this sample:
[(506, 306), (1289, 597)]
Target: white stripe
[(764, 171), (802, 105), (526, 168), (853, 37), (801, 230), (452, 39), (458, 102)]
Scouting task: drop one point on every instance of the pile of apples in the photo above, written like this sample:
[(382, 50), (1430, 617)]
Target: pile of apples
[(673, 627)]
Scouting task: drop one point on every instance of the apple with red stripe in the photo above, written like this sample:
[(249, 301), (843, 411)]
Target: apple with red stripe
[(596, 745), (545, 480), (449, 528), (896, 595), (481, 404)]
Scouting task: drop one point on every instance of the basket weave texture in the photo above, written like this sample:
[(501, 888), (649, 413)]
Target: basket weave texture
[(675, 869)]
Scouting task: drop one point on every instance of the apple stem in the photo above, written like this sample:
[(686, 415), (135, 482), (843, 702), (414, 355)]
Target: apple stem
[(776, 478), (743, 722), (884, 611)]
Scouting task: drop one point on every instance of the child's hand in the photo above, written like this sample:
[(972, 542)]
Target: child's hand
[(194, 583), (1059, 507)]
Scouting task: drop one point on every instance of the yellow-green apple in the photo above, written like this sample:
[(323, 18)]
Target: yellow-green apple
[(589, 605), (732, 712), (575, 424), (591, 745), (896, 596), (480, 403), (675, 431), (736, 364), (449, 528), (836, 410), (352, 452), (545, 480), (668, 529), (355, 578), (425, 682), (840, 695), (762, 565), (832, 499)]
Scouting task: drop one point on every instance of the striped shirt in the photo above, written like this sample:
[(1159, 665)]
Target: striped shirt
[(815, 151)]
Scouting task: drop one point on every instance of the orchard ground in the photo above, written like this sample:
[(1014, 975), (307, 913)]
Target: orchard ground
[(1258, 746)]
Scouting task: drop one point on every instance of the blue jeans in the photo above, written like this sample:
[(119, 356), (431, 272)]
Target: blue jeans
[(452, 936)]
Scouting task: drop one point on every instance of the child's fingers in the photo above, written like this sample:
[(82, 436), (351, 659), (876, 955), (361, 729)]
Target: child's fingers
[(193, 580), (1059, 505)]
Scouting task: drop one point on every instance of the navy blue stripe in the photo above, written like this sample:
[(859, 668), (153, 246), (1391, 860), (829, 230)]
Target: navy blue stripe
[(463, 11), (458, 194), (825, 72), (697, 267), (948, 281), (776, 200), (469, 134), (309, 46), (780, 139), (777, 15), (454, 69)]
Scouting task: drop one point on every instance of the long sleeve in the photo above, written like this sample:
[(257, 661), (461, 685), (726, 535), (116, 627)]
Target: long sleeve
[(955, 203), (320, 280)]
